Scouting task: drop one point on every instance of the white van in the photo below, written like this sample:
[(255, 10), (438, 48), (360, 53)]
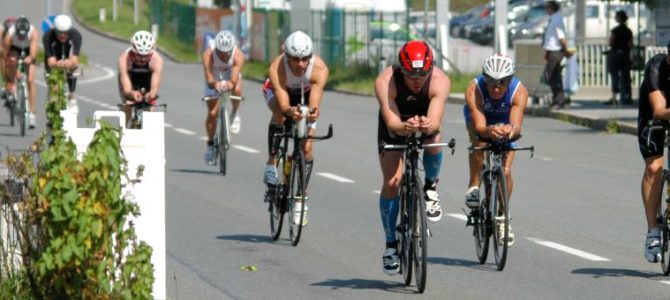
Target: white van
[(600, 20)]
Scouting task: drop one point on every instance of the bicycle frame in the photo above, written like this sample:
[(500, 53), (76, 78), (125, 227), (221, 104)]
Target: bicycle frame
[(663, 212), (21, 86)]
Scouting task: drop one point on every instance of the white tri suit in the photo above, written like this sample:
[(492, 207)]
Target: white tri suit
[(222, 69)]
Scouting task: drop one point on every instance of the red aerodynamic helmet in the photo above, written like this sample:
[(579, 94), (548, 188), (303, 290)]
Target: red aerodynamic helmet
[(415, 58)]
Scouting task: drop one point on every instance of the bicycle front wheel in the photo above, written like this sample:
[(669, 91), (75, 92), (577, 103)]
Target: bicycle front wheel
[(297, 198), (482, 220), (405, 235), (419, 235), (223, 139), (663, 215), (22, 112), (276, 198), (501, 229)]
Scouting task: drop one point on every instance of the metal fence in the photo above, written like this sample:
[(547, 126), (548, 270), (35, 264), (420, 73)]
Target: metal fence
[(175, 19)]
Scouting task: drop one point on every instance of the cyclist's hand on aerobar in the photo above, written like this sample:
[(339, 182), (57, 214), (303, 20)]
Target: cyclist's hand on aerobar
[(28, 60), (424, 124), (499, 131), (412, 124), (222, 86), (313, 114), (294, 113)]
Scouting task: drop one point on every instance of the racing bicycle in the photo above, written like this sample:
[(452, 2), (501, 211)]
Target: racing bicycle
[(412, 229), (135, 120), (493, 210), (222, 136), (17, 104), (663, 214)]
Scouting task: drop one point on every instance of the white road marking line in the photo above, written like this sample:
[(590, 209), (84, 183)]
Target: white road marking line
[(335, 177), (246, 149), (459, 216), (96, 102), (109, 74), (378, 192), (184, 131), (204, 138), (665, 281), (168, 125), (568, 250), (544, 158)]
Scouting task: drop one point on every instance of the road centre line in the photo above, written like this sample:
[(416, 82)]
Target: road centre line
[(246, 149), (335, 177), (184, 131), (459, 216), (109, 73), (569, 250)]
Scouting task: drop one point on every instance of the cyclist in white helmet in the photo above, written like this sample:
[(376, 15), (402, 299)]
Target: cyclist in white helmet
[(298, 67), (495, 105), (222, 61), (61, 51), (140, 68), (21, 38)]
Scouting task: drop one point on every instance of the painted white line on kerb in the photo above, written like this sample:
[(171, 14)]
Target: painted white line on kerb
[(569, 250), (246, 149), (184, 131), (335, 177), (459, 216)]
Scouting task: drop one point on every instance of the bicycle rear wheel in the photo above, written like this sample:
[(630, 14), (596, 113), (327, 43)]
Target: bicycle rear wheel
[(296, 198), (482, 222), (276, 197), (663, 215), (405, 236), (419, 235), (223, 139), (501, 210)]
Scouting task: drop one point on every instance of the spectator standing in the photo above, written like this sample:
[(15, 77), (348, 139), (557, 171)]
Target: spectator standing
[(555, 46), (618, 61)]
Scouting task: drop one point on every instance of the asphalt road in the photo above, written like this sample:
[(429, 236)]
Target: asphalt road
[(576, 208)]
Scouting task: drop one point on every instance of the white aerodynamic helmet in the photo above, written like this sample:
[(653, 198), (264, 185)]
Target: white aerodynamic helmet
[(298, 44), (498, 66), (143, 42), (62, 23), (225, 41)]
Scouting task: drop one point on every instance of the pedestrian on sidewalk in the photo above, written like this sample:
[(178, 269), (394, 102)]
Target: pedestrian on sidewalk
[(654, 104), (556, 48), (618, 61)]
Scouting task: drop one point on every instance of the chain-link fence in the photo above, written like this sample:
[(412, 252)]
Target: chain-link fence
[(176, 19)]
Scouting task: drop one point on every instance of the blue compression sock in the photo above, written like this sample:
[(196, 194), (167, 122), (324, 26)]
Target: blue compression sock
[(389, 213), (432, 165)]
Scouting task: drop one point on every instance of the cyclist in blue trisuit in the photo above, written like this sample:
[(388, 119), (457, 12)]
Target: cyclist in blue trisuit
[(21, 37), (412, 96), (654, 104), (495, 102)]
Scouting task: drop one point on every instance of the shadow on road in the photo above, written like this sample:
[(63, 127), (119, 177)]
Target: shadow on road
[(363, 284), (602, 272), (194, 171), (247, 238), (461, 263)]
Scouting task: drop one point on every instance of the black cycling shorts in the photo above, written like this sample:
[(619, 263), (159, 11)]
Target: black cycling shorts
[(656, 145)]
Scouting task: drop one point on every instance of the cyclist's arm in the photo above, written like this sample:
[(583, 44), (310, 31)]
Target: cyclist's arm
[(318, 81), (6, 42), (124, 79), (473, 98), (385, 90), (33, 46), (76, 40), (238, 61), (519, 102), (440, 85), (208, 68), (658, 103), (156, 75), (279, 90)]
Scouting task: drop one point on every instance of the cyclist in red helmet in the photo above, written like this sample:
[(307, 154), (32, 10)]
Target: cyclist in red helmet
[(412, 95)]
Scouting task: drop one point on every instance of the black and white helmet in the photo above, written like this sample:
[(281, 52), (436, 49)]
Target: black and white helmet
[(298, 44), (143, 42), (498, 66), (22, 26), (225, 41)]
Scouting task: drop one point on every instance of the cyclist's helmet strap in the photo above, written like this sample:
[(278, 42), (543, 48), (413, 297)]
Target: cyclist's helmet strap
[(415, 58)]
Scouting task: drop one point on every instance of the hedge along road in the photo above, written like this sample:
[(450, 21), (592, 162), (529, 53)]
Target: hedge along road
[(576, 211)]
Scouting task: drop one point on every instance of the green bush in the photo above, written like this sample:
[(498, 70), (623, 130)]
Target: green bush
[(74, 238)]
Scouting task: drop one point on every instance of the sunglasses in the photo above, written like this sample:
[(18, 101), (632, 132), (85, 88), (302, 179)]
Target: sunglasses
[(416, 74), (306, 58), (490, 81)]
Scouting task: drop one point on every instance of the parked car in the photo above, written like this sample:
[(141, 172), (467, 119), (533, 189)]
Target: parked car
[(483, 32), (535, 22), (457, 24)]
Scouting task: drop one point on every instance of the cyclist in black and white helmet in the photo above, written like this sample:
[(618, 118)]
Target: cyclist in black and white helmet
[(222, 61), (21, 39), (140, 68), (495, 105), (298, 68)]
